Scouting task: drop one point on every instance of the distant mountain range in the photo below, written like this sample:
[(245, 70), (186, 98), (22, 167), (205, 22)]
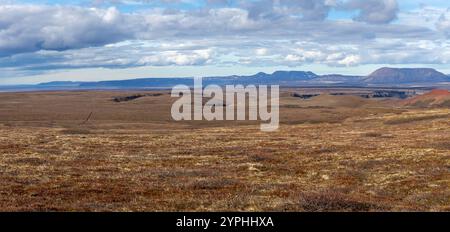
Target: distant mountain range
[(384, 77)]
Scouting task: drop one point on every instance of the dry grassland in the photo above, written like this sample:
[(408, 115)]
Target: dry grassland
[(332, 153)]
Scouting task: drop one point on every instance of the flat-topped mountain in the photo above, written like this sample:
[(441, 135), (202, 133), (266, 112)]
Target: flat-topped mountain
[(406, 76)]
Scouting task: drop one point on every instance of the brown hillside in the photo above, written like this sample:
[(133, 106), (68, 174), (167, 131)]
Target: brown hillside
[(435, 98)]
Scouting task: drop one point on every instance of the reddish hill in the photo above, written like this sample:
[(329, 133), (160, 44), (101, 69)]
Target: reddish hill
[(435, 98)]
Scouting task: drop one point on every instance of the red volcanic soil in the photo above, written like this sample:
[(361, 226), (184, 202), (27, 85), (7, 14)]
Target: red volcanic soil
[(439, 92), (435, 98)]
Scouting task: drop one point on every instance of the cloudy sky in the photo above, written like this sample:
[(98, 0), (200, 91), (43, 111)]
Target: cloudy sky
[(93, 40)]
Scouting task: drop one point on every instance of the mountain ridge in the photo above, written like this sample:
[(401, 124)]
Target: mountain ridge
[(381, 77)]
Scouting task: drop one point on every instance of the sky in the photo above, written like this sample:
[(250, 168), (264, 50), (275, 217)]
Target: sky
[(92, 40)]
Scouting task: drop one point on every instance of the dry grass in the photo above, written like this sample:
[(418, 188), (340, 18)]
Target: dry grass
[(131, 157), (329, 201), (410, 119)]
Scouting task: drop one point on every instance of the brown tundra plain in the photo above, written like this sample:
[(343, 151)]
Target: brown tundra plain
[(121, 151)]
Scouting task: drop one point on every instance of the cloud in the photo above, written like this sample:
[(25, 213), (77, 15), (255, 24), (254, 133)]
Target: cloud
[(261, 51), (373, 11), (196, 57), (120, 55), (443, 23), (306, 10), (309, 9), (32, 28), (230, 52)]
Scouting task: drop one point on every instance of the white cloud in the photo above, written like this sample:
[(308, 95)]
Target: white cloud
[(176, 58), (261, 51), (293, 58), (350, 60)]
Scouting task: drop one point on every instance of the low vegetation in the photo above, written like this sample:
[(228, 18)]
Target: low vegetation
[(327, 156), (412, 118)]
